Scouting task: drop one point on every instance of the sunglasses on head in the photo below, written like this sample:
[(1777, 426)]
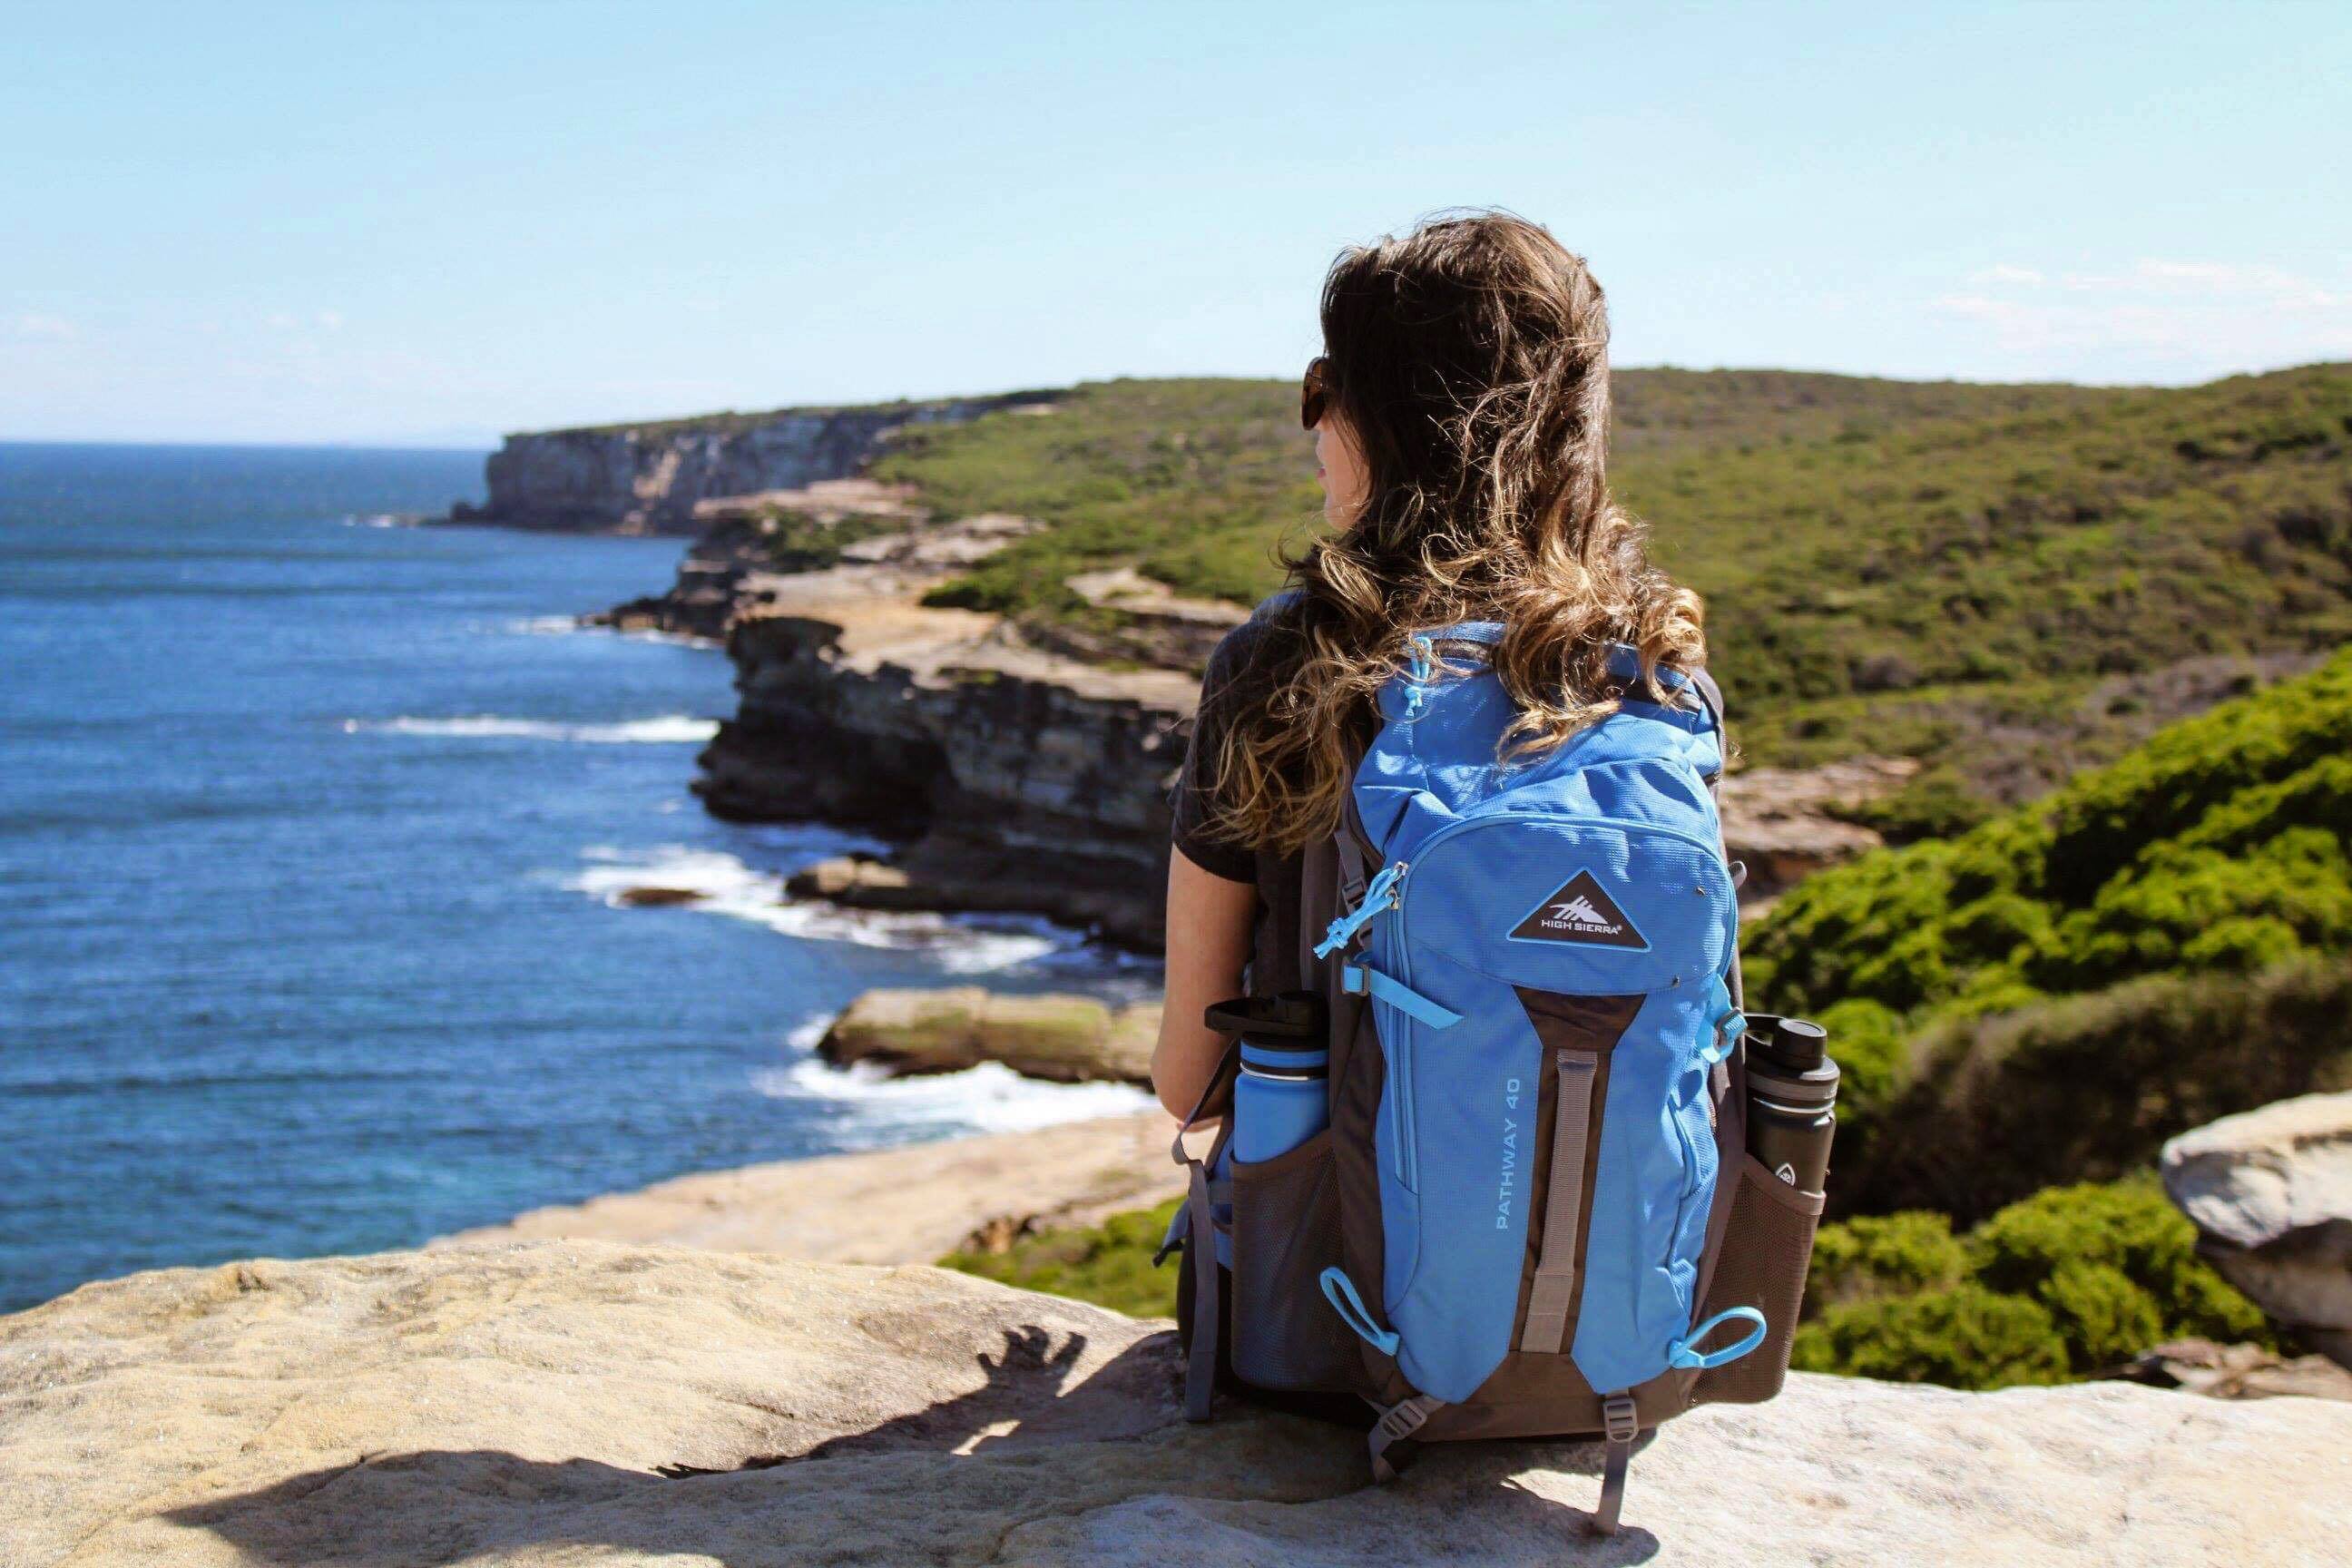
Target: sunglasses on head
[(1314, 391)]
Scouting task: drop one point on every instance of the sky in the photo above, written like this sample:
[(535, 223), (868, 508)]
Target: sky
[(430, 223)]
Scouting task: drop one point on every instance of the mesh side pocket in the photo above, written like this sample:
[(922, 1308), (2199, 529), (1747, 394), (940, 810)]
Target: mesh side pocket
[(1766, 1244), (1286, 1233)]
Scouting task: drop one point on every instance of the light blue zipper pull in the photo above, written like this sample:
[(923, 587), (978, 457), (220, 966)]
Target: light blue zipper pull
[(1423, 668), (1341, 1291), (1684, 1355), (1380, 895), (1729, 1022)]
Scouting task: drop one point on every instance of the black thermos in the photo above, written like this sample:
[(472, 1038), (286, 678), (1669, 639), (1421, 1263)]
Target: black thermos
[(1791, 1098)]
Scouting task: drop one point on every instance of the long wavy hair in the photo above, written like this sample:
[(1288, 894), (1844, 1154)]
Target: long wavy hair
[(1469, 360)]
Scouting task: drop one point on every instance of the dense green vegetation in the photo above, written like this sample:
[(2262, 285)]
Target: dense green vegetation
[(2218, 844), (1939, 569), (785, 539), (1971, 1113), (2069, 1282), (2051, 994), (1109, 1264)]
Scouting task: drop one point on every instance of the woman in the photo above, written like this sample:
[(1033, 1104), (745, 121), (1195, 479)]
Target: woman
[(1461, 416)]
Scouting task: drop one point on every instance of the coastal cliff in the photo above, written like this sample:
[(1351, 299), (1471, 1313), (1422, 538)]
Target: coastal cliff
[(1025, 779), (979, 635), (648, 477)]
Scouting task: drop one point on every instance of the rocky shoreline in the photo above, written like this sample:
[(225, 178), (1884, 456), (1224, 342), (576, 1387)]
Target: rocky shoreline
[(1017, 774), (1014, 770)]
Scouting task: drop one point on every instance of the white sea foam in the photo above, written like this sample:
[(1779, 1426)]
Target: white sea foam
[(672, 639), (547, 625), (566, 626), (723, 885), (669, 729), (990, 1098)]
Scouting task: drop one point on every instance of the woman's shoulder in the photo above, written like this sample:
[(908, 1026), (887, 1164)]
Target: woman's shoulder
[(1237, 648)]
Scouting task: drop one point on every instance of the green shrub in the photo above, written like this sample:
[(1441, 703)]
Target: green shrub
[(1937, 803), (1883, 1254), (1976, 1112), (2048, 996), (2077, 1249), (2104, 1317), (1109, 1264), (2074, 1279), (1967, 1337), (2218, 845)]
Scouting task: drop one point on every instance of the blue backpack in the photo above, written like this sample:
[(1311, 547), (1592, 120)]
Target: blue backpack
[(1532, 1212)]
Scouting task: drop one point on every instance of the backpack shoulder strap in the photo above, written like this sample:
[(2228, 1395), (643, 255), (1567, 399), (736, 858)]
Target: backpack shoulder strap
[(1710, 696)]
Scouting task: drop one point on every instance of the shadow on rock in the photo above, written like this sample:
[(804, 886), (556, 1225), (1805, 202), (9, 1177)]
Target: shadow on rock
[(435, 1508), (1028, 1402)]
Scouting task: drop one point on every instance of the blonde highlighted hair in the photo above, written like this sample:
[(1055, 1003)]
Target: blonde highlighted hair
[(1469, 362)]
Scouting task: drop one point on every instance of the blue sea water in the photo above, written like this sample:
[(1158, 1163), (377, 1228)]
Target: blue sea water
[(311, 831)]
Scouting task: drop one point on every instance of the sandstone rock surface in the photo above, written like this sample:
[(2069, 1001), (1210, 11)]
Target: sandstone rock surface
[(1064, 1039), (1782, 822), (911, 1204), (585, 1403), (2271, 1192)]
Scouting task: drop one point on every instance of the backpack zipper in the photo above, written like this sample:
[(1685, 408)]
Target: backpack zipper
[(1406, 1139)]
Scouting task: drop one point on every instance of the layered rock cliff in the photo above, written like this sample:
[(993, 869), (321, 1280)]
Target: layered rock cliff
[(1027, 780), (647, 477), (580, 1403)]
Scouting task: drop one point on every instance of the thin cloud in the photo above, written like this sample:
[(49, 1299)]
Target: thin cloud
[(2166, 316), (39, 328)]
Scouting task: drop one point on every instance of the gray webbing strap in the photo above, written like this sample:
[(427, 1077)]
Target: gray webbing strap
[(1355, 876), (1710, 697), (1397, 1423), (1622, 1428), (1553, 1294), (1201, 1251), (1228, 1066), (1201, 1242)]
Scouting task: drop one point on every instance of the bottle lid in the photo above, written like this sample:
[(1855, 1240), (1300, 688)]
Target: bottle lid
[(1799, 1042), (1291, 1016)]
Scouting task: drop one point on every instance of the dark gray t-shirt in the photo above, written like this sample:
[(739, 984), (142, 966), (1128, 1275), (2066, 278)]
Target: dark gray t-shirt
[(1234, 671)]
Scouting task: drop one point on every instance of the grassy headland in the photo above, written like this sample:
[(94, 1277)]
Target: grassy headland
[(1938, 569)]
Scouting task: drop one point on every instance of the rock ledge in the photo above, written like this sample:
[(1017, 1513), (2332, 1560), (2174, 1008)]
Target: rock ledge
[(580, 1403)]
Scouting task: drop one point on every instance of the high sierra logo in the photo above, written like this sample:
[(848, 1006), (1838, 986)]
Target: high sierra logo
[(1579, 912)]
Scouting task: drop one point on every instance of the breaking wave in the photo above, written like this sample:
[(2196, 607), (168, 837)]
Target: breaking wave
[(669, 729), (991, 1098), (718, 883)]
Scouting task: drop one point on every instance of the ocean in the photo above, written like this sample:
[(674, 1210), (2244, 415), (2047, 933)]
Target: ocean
[(311, 834)]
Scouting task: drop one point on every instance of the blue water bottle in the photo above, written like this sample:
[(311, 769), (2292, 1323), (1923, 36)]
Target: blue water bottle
[(1282, 1098)]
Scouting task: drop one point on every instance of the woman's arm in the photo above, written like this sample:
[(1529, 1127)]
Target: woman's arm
[(1207, 942)]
